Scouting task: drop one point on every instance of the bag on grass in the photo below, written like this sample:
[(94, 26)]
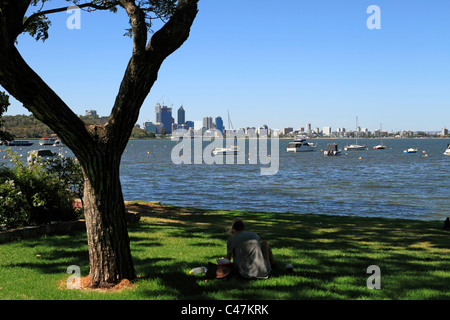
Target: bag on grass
[(219, 271)]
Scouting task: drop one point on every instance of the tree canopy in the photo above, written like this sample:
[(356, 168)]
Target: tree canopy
[(38, 23)]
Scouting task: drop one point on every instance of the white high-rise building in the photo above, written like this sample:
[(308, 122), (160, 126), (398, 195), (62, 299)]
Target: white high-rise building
[(327, 131), (308, 128)]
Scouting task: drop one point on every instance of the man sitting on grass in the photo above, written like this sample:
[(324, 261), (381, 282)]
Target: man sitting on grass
[(252, 258)]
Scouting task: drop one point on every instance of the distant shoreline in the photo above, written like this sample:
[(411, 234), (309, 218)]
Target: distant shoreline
[(282, 138)]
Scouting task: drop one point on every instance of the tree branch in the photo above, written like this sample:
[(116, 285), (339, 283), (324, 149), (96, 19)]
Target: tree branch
[(173, 34), (142, 70), (138, 25), (25, 85), (38, 14), (11, 16)]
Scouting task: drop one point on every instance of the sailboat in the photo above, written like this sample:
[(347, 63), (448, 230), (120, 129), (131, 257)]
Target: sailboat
[(355, 146), (228, 150), (447, 151), (381, 145)]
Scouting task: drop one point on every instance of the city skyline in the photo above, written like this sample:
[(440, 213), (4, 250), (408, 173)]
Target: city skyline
[(315, 62), (208, 123)]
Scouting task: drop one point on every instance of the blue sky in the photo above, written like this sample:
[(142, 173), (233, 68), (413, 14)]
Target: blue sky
[(281, 63)]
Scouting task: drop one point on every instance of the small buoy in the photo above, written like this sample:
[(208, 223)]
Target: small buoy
[(269, 155), (426, 155), (148, 152), (359, 158)]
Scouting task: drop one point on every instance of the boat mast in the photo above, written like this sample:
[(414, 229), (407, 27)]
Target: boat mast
[(230, 124), (381, 133)]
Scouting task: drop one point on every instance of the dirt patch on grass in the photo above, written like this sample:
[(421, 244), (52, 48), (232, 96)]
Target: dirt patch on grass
[(85, 285)]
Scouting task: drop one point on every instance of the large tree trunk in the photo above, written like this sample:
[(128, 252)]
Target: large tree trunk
[(99, 148), (106, 226)]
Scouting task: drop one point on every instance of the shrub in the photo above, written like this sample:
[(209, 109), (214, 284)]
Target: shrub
[(38, 193), (13, 206)]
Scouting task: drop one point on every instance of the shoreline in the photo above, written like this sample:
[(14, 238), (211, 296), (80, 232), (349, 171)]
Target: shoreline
[(168, 137)]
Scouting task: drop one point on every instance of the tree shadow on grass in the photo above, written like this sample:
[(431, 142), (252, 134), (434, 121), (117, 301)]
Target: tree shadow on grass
[(53, 254), (330, 255), (325, 250)]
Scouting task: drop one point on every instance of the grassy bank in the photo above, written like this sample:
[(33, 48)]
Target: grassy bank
[(330, 255)]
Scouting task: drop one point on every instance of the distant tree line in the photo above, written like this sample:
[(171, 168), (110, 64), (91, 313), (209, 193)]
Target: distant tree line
[(28, 127)]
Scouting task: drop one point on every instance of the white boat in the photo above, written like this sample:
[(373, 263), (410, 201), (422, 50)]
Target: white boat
[(58, 143), (332, 150), (46, 141), (230, 150), (381, 145), (447, 152), (300, 145), (355, 146), (410, 150)]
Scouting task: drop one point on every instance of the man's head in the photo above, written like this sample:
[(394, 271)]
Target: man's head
[(238, 226)]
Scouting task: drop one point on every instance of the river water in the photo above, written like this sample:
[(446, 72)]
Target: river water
[(370, 183)]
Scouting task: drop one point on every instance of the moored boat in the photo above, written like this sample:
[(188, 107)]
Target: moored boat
[(20, 143), (46, 141), (354, 147), (230, 150), (300, 145), (410, 150), (332, 150), (447, 152), (58, 143)]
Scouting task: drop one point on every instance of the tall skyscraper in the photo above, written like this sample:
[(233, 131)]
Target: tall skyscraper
[(166, 118), (207, 123), (308, 128), (181, 116), (219, 124), (157, 113), (163, 115)]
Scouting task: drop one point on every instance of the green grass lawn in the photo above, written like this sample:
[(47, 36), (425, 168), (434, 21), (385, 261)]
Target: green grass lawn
[(330, 255)]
